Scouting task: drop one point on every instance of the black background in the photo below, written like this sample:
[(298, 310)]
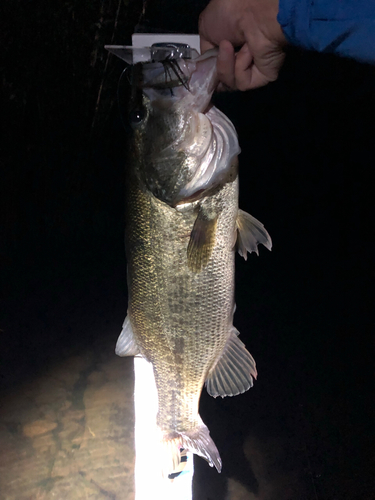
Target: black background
[(306, 171)]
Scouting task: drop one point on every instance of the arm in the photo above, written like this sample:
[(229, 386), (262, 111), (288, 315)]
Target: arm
[(262, 28), (342, 27)]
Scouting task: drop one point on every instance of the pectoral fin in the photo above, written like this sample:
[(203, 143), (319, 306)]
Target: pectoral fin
[(126, 344), (202, 240), (234, 372), (250, 233)]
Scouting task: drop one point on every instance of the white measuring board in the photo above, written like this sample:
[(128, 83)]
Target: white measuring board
[(149, 482)]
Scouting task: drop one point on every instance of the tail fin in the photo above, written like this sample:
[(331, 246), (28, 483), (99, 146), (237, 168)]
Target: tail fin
[(197, 441)]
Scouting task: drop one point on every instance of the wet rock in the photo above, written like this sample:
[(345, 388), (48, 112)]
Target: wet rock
[(38, 427)]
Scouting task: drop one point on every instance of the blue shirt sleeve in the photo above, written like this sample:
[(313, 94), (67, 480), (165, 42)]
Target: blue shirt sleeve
[(343, 27)]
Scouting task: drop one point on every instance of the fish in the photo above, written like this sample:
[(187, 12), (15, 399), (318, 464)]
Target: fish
[(183, 227)]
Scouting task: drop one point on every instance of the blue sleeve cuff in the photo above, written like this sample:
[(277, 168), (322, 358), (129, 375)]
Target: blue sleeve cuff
[(343, 27), (294, 19)]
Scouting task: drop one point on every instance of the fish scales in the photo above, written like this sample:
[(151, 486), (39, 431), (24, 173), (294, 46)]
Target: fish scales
[(181, 319), (183, 225)]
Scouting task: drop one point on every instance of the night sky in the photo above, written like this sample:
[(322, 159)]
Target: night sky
[(305, 310)]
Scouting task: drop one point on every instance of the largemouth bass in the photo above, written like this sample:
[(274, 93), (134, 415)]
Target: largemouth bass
[(183, 227)]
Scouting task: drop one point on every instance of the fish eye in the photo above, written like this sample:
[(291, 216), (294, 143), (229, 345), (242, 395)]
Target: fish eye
[(137, 115)]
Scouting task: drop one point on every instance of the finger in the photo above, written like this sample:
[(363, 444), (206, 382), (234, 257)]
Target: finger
[(264, 69), (226, 64), (243, 68), (258, 79), (205, 45), (223, 88)]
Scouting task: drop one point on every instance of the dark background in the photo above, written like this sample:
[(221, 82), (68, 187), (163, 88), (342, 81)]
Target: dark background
[(306, 169)]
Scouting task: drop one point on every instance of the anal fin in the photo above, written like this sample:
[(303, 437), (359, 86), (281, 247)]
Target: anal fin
[(250, 233), (234, 372), (126, 344)]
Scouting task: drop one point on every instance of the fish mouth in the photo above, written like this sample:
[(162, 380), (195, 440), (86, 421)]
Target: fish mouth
[(205, 71), (158, 78), (166, 74), (189, 82)]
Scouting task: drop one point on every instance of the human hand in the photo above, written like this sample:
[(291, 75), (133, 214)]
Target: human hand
[(251, 25)]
